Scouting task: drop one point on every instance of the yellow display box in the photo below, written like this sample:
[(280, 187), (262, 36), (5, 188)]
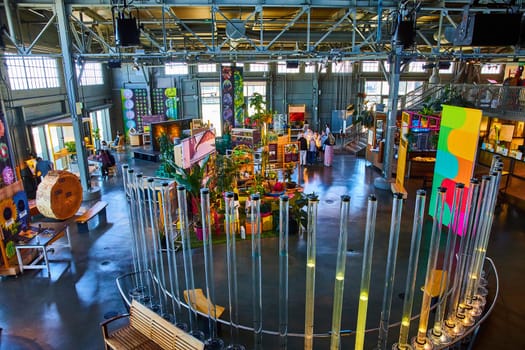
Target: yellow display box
[(266, 221)]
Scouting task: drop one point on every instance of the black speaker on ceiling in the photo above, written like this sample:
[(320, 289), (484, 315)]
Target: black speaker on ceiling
[(114, 63), (496, 29), (406, 34), (127, 31)]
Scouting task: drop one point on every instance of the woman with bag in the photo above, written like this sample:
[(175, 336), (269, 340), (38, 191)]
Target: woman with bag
[(329, 150)]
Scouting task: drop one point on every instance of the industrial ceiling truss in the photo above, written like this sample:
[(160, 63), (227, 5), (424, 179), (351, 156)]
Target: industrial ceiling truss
[(226, 30)]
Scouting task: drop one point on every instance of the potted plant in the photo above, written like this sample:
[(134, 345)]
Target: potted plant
[(193, 179)]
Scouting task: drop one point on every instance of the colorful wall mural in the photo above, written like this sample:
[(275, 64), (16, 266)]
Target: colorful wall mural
[(456, 155)]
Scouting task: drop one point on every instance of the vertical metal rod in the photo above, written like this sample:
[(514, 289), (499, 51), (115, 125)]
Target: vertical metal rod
[(366, 271), (231, 261), (417, 230), (284, 206), (436, 334), (167, 222), (313, 202), (339, 285), (453, 327), (255, 218), (397, 208), (421, 341), (187, 258)]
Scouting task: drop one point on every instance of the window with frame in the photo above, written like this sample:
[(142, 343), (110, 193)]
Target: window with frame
[(252, 87), (259, 67), (416, 67), (449, 70), (310, 67), (369, 66), (35, 72), (207, 68), (342, 67), (176, 68), (491, 68), (91, 74), (282, 68)]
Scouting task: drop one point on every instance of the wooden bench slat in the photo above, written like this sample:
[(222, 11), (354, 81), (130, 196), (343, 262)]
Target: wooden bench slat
[(148, 330), (91, 212)]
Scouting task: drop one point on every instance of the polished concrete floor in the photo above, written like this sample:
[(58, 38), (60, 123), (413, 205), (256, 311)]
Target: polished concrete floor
[(64, 311)]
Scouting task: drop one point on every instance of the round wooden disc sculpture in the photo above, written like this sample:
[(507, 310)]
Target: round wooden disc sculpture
[(59, 195)]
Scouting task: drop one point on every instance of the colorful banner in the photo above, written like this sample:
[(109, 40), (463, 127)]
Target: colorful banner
[(456, 155), (232, 101), (134, 107)]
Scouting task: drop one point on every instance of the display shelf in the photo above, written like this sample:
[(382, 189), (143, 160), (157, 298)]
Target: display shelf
[(248, 137)]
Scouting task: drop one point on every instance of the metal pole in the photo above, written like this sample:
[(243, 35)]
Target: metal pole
[(391, 125), (70, 81)]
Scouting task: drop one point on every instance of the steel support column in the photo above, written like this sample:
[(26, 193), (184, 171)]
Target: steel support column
[(384, 182), (70, 81)]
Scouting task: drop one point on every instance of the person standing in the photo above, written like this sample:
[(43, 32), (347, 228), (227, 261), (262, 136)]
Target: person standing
[(303, 149), (329, 150), (312, 150), (42, 167)]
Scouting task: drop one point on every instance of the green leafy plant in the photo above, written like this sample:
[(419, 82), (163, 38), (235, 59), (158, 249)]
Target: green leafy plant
[(193, 179), (70, 146), (167, 157)]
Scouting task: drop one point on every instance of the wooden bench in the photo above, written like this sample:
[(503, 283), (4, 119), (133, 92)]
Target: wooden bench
[(146, 330), (99, 209), (201, 303)]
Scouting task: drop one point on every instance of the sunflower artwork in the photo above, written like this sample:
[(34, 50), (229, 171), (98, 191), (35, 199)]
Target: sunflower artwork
[(9, 223)]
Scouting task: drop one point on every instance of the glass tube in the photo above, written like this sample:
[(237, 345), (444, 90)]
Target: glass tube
[(213, 342), (339, 285), (173, 275), (187, 258), (469, 277), (231, 261), (421, 341), (143, 242), (157, 253), (366, 271), (255, 220), (283, 271), (436, 334), (417, 229), (453, 327), (496, 177), (395, 223), (127, 180), (311, 233), (481, 247)]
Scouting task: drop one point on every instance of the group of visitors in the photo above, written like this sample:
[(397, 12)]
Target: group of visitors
[(314, 147)]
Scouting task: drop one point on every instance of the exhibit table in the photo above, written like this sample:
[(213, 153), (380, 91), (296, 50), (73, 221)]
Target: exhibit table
[(41, 238)]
